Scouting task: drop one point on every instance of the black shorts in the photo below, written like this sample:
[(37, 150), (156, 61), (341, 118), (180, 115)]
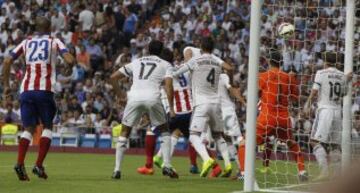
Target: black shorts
[(181, 122)]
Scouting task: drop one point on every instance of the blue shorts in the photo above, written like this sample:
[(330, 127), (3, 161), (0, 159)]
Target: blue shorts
[(37, 107), (181, 122)]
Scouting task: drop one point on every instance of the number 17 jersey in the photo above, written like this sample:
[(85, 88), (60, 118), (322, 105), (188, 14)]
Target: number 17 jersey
[(330, 83), (147, 74)]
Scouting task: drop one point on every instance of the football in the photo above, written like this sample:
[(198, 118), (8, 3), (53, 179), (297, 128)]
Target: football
[(286, 30)]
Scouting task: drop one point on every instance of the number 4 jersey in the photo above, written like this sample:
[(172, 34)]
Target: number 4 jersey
[(147, 74), (40, 54), (330, 83)]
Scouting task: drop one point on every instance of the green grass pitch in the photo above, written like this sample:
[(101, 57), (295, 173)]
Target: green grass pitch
[(90, 173)]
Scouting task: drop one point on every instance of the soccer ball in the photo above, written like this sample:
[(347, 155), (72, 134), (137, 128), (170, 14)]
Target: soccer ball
[(286, 30)]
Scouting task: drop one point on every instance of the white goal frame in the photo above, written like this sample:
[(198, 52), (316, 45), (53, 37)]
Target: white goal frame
[(250, 184)]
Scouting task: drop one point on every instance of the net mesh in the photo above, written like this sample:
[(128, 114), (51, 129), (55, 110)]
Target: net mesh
[(319, 28)]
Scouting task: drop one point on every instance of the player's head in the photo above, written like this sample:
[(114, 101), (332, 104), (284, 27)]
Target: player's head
[(274, 58), (207, 44), (155, 47), (167, 55), (43, 24), (331, 59)]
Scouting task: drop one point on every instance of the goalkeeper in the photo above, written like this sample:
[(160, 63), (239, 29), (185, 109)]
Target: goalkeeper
[(276, 89)]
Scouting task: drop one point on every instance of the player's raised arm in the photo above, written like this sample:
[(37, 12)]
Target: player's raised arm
[(183, 68)]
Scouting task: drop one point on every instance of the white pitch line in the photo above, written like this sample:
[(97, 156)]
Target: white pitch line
[(278, 189)]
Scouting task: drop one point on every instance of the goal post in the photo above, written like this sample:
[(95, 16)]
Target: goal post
[(252, 96), (285, 177), (347, 101)]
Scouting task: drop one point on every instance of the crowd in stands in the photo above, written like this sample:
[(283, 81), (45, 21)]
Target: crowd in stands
[(106, 34)]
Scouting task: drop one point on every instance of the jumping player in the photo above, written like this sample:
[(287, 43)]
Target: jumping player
[(205, 72), (37, 91), (330, 86), (148, 74), (276, 88)]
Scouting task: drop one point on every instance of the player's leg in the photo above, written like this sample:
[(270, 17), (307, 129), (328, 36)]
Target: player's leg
[(335, 142), (132, 115), (198, 125), (283, 132), (47, 109), (262, 130), (158, 118), (217, 130), (150, 143), (29, 120), (319, 140), (175, 134), (268, 148)]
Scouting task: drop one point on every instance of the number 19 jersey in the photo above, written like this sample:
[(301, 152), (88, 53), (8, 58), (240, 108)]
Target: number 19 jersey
[(147, 74), (205, 72), (330, 84)]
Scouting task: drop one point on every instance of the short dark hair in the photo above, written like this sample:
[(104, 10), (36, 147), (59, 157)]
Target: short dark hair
[(155, 47), (167, 55), (332, 58), (207, 44), (275, 58), (42, 24)]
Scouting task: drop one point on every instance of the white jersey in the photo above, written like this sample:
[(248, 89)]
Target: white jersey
[(330, 83), (224, 85), (40, 53), (147, 74), (196, 52), (205, 72)]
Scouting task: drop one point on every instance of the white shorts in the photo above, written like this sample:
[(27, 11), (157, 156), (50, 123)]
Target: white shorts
[(231, 122), (206, 115), (134, 110), (327, 126)]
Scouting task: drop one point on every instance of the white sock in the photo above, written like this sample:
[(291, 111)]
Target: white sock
[(165, 144), (199, 147), (174, 141), (121, 147), (222, 147), (233, 154), (26, 135), (320, 155)]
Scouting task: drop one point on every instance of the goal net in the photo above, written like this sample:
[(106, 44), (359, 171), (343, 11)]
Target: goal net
[(320, 27)]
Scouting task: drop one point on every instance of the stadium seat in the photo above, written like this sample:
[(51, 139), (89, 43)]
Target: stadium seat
[(9, 134), (105, 141), (55, 139), (69, 140), (88, 140)]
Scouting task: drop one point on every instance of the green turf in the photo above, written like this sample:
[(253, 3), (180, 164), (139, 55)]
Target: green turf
[(90, 173)]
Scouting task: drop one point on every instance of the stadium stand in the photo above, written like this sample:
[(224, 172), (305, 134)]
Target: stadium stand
[(106, 34)]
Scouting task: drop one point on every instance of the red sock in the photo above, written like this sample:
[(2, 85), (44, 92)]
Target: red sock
[(150, 142), (192, 155), (211, 154), (241, 156), (43, 150), (299, 158), (23, 147), (267, 154)]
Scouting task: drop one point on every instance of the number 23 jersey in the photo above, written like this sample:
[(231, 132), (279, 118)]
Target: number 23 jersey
[(330, 84), (148, 74)]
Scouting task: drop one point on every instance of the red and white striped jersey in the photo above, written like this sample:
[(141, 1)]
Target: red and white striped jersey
[(40, 53), (182, 94)]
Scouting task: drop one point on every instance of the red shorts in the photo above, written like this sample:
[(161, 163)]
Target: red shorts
[(278, 126)]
